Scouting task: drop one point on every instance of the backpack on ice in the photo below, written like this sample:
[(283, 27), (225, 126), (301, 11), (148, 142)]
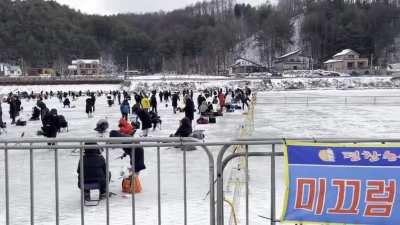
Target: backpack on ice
[(212, 120), (202, 120)]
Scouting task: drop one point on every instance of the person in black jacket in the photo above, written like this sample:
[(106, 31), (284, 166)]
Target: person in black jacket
[(35, 114), (1, 117), (14, 108), (160, 95), (185, 128), (146, 121), (153, 102), (94, 167), (67, 103), (89, 107), (43, 108), (189, 108), (175, 99), (139, 152), (93, 97), (51, 124)]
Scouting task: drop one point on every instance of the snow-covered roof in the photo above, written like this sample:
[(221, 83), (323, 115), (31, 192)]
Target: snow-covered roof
[(394, 67), (288, 54), (245, 62), (15, 68), (86, 61), (345, 52), (333, 61)]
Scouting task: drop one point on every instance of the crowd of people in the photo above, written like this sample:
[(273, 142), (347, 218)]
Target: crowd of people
[(139, 110)]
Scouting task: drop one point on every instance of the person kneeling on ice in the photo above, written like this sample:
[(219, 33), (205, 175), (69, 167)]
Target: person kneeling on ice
[(35, 114), (67, 103), (185, 128), (94, 167)]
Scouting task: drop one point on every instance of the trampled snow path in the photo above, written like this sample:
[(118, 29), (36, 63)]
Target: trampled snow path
[(271, 121)]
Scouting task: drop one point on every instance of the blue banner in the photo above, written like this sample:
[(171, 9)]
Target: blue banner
[(342, 183)]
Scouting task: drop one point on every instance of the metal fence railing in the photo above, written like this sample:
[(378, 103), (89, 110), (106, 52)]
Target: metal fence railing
[(105, 144), (216, 202)]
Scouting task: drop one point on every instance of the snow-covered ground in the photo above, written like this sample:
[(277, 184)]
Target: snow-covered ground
[(271, 121)]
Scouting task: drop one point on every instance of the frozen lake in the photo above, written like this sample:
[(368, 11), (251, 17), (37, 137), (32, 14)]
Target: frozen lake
[(273, 120)]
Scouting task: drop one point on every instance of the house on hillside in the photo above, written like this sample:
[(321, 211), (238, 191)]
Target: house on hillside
[(245, 66), (292, 61), (10, 70), (394, 69), (84, 67), (347, 61)]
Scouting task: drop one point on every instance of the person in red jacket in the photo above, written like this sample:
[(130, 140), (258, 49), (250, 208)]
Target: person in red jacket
[(125, 127), (221, 98)]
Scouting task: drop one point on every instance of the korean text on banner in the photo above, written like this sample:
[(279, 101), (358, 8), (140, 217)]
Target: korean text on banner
[(342, 183)]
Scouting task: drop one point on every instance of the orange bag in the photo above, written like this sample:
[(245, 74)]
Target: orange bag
[(127, 187)]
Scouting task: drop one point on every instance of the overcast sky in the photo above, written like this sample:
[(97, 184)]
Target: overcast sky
[(107, 7)]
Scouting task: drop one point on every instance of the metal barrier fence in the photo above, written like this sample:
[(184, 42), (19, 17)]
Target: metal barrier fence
[(334, 100), (106, 144), (216, 216)]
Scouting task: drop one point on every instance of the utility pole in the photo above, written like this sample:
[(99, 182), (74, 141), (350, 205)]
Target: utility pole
[(372, 58), (22, 66), (127, 63)]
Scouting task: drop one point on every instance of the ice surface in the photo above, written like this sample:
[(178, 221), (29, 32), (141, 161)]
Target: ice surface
[(320, 118), (146, 202)]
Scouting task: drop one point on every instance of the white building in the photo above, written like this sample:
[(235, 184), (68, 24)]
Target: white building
[(10, 70), (394, 69), (84, 67), (347, 61)]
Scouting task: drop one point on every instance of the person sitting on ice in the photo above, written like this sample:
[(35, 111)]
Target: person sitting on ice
[(125, 127), (35, 114), (67, 103), (185, 128), (203, 108), (94, 167), (51, 124)]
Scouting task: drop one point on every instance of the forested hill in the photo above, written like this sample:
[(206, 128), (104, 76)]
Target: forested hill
[(202, 38)]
